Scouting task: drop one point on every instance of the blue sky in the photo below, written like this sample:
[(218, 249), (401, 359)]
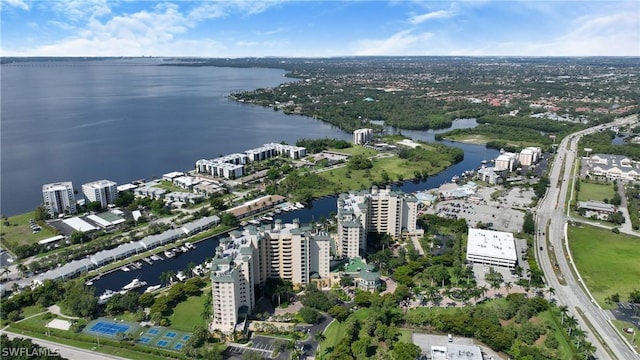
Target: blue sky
[(231, 28)]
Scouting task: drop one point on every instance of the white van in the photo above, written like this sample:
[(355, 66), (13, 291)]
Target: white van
[(450, 337)]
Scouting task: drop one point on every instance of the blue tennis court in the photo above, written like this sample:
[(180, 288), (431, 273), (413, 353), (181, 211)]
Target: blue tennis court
[(178, 347), (153, 332), (108, 328), (144, 340), (162, 343), (186, 337), (170, 334)]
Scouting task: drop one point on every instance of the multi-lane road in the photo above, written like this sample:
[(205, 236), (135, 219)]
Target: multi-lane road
[(552, 222)]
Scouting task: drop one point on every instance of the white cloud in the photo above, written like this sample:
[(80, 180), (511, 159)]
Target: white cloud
[(247, 43), (20, 4), (400, 43), (61, 24), (80, 10), (440, 14), (222, 8)]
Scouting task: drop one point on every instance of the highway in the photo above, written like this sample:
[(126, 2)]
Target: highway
[(568, 290)]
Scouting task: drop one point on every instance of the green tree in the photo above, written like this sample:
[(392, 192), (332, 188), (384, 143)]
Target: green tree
[(406, 351), (310, 316)]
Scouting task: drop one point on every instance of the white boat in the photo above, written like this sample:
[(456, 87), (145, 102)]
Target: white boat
[(134, 284), (124, 268), (89, 283), (299, 205), (148, 261), (255, 222), (189, 246), (184, 248), (267, 218), (152, 288), (181, 276), (102, 299), (169, 254), (137, 265)]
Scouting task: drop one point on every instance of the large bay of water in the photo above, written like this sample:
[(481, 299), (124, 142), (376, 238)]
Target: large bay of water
[(121, 121), (91, 120)]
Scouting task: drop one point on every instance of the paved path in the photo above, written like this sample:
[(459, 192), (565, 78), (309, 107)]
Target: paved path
[(55, 309)]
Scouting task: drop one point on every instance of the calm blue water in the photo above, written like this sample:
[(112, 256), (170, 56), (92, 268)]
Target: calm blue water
[(121, 121), (95, 120)]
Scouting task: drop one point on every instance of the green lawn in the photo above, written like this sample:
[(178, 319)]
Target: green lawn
[(607, 262), (355, 150), (597, 192), (19, 233), (187, 314), (169, 186), (623, 324), (333, 334)]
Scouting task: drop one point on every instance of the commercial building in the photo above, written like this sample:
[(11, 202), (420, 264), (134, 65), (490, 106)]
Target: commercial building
[(613, 167), (380, 210), (362, 136), (246, 259), (506, 161), (104, 191), (58, 198), (493, 248), (529, 155)]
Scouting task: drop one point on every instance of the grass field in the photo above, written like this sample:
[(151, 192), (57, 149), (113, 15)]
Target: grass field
[(187, 314), (597, 192), (607, 262), (480, 139), (19, 233), (623, 324)]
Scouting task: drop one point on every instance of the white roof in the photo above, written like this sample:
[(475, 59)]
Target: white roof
[(136, 214), (489, 243), (100, 221), (125, 187), (51, 239), (80, 225)]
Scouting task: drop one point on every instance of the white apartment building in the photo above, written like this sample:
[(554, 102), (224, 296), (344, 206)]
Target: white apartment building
[(493, 248), (58, 198), (362, 136), (232, 166), (105, 191), (529, 155), (248, 258), (380, 210), (506, 161)]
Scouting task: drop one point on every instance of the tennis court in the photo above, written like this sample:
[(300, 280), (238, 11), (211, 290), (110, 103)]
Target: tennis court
[(162, 337), (109, 328)]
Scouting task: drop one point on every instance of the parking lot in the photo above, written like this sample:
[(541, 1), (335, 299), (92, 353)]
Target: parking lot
[(426, 341), (505, 213)]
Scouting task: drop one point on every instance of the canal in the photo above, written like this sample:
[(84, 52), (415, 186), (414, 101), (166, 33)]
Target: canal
[(323, 207)]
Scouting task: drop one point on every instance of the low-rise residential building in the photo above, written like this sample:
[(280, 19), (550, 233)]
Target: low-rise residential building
[(493, 248)]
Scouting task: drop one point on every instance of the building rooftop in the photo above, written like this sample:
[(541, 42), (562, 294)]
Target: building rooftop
[(489, 243)]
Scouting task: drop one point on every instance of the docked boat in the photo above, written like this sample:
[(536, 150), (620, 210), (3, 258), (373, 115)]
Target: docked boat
[(156, 257), (169, 254), (125, 268), (184, 249), (102, 299), (267, 218), (299, 205), (189, 246), (137, 265), (152, 288), (134, 284), (89, 283), (254, 222), (148, 261), (181, 276)]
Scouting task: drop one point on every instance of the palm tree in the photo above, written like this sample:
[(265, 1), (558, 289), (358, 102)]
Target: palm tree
[(588, 349), (319, 336), (551, 291), (164, 277), (508, 285), (5, 272), (483, 290), (571, 324), (579, 334), (564, 309)]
